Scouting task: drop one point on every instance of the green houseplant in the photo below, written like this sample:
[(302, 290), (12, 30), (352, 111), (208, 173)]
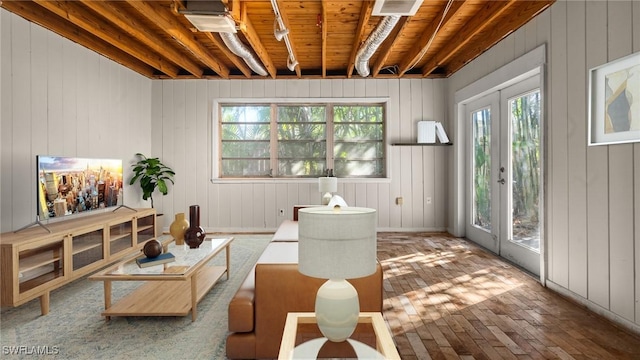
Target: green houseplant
[(152, 174)]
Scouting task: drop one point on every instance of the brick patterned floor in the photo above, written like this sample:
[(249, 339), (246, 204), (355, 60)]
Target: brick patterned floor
[(446, 298)]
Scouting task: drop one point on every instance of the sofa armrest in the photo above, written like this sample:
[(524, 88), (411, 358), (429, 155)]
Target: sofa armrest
[(241, 308)]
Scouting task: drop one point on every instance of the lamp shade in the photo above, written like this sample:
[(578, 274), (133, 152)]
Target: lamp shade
[(337, 244), (328, 184)]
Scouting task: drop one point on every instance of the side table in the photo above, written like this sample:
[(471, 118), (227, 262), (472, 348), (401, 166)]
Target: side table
[(302, 339)]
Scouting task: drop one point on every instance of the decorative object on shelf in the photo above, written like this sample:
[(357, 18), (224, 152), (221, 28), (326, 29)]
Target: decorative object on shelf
[(426, 132), (144, 262), (337, 244), (178, 228), (194, 235), (614, 100), (153, 174), (327, 185), (152, 248)]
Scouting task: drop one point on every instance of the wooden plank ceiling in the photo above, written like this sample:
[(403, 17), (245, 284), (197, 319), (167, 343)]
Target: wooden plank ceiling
[(155, 39)]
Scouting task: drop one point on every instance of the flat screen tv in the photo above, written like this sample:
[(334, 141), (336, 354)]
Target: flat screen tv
[(70, 185)]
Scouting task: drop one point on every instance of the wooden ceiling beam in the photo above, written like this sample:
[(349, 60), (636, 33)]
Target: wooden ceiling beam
[(425, 41), (497, 33), (39, 15), (108, 10), (385, 50), (285, 21), (167, 21), (86, 20), (252, 37), (493, 9), (365, 14)]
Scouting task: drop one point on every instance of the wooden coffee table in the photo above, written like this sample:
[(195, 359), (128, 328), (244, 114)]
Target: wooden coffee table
[(171, 289)]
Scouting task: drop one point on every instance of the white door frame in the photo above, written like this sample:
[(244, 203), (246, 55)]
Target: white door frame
[(521, 68)]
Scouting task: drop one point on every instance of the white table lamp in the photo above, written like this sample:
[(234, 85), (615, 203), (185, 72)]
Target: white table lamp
[(327, 185), (337, 244)]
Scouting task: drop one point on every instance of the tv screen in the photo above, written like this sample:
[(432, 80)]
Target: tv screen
[(70, 185)]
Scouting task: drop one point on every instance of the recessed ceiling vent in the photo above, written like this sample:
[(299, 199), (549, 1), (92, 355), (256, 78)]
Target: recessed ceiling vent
[(396, 7), (209, 16)]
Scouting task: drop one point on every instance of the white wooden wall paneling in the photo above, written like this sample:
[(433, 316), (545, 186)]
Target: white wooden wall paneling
[(621, 181), (39, 107), (597, 171), (406, 157), (439, 206), (636, 157), (5, 91), (21, 61), (557, 102), (418, 159), (576, 149), (394, 152)]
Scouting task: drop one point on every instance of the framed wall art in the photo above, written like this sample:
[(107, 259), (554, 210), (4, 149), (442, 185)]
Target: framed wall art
[(614, 102)]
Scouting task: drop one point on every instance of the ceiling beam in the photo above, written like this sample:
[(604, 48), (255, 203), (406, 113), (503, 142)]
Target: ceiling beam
[(167, 21), (252, 37), (385, 50), (493, 9), (416, 54), (139, 31), (42, 17), (497, 33), (236, 60), (365, 14), (99, 27)]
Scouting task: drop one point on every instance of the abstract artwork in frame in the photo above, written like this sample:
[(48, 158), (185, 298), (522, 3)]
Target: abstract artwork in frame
[(614, 102)]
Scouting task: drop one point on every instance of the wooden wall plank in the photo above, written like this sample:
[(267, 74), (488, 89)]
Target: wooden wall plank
[(21, 119), (636, 167), (576, 149), (6, 128), (597, 172), (558, 252), (620, 44)]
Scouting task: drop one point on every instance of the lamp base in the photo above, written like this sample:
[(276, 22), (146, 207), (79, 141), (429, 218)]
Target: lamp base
[(326, 198), (337, 309)]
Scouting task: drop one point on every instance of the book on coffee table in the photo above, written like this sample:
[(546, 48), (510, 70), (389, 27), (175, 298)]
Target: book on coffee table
[(144, 261)]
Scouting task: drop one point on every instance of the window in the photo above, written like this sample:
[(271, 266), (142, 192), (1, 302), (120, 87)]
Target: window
[(302, 140)]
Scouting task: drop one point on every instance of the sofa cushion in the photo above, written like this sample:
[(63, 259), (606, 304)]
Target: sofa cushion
[(287, 231)]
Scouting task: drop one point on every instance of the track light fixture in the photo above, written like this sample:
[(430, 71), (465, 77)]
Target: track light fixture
[(279, 34), (291, 63)]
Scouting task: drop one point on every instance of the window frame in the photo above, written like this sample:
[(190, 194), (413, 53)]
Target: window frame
[(216, 145)]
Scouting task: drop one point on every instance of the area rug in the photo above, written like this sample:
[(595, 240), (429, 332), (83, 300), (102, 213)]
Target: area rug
[(74, 328)]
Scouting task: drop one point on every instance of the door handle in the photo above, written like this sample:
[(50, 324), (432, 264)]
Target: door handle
[(501, 181)]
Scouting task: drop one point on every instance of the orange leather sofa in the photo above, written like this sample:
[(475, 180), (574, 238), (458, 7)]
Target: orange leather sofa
[(274, 287)]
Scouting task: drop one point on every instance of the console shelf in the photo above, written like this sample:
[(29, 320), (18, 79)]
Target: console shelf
[(34, 261)]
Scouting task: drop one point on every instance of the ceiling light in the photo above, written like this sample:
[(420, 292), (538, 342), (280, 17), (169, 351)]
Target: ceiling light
[(212, 23), (279, 34), (292, 63)]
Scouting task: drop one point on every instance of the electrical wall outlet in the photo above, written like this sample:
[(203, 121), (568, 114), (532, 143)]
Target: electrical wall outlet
[(281, 212)]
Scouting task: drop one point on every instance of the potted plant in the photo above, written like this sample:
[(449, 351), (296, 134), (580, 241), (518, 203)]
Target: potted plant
[(152, 174)]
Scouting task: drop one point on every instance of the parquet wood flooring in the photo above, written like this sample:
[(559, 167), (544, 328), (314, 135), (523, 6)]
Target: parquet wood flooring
[(446, 298)]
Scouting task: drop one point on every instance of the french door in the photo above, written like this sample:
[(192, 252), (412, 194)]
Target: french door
[(504, 182)]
